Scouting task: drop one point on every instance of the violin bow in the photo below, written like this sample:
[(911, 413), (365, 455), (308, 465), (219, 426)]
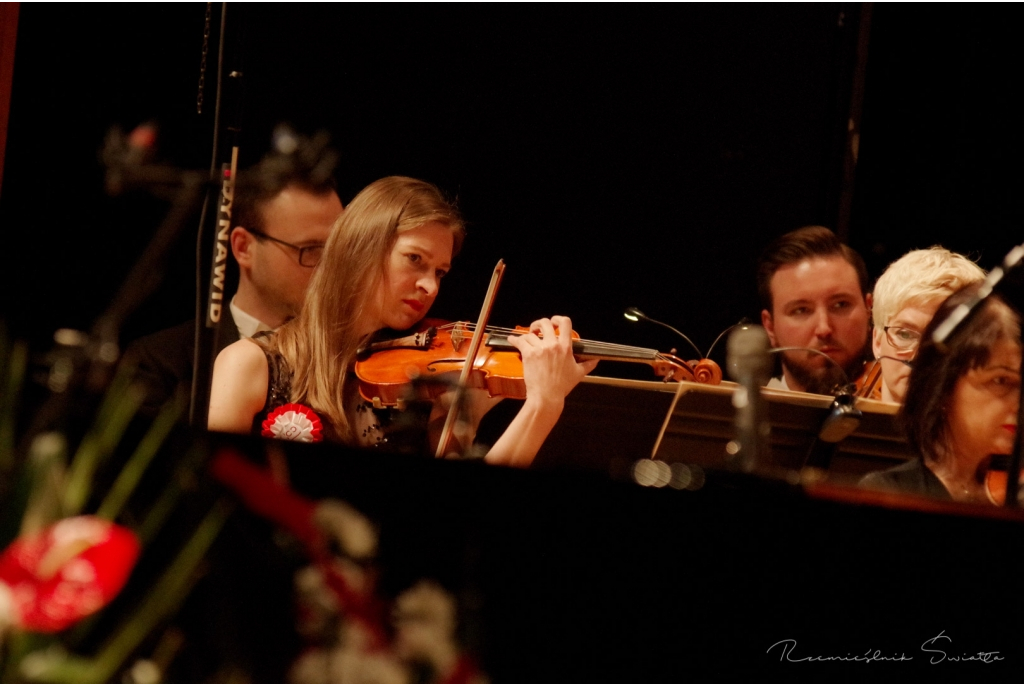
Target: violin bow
[(474, 347)]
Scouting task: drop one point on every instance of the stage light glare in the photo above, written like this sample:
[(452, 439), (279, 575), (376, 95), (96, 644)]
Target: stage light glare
[(681, 476), (651, 473)]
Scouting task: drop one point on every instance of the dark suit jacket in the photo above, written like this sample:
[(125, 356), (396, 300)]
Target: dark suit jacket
[(165, 359), (222, 622), (912, 477)]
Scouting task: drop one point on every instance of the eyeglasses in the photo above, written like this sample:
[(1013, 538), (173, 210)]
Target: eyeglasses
[(308, 256), (903, 339)]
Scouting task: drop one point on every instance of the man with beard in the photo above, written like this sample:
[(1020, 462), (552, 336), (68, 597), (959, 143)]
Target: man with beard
[(816, 295)]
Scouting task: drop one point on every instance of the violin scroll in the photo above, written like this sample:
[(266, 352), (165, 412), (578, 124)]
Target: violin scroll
[(671, 368), (706, 371)]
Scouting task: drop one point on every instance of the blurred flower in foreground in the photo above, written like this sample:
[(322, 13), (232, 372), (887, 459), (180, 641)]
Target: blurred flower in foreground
[(51, 580), (424, 619)]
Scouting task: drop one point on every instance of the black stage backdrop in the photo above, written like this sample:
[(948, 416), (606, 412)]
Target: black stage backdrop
[(612, 155)]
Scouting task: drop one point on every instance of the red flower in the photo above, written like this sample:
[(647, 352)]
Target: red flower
[(293, 422), (70, 570)]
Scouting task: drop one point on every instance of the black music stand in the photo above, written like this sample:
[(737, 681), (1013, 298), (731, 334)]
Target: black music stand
[(607, 424), (610, 423), (700, 425)]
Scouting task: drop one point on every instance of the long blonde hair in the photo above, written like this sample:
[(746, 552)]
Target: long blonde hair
[(320, 344)]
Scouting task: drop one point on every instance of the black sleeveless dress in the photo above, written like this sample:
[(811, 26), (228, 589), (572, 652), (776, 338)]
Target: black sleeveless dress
[(368, 424)]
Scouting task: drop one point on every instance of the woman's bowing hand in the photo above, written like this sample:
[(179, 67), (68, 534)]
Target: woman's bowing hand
[(550, 372)]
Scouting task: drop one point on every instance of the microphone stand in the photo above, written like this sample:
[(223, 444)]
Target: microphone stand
[(88, 360), (211, 272), (748, 361)]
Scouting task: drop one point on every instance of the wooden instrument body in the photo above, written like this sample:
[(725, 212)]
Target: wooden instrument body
[(385, 375), (435, 359)]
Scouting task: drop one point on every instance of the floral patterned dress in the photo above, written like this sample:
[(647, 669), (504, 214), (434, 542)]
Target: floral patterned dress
[(282, 419)]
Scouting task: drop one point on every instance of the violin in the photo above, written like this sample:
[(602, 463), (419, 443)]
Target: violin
[(385, 368), (869, 383), (996, 477)]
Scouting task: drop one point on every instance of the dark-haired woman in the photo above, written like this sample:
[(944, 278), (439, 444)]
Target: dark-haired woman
[(961, 404)]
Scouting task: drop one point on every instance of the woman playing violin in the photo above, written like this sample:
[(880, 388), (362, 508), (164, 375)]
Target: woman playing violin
[(961, 404), (381, 269)]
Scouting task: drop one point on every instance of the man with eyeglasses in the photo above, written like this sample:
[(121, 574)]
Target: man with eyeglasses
[(906, 298), (277, 240), (282, 216), (283, 211)]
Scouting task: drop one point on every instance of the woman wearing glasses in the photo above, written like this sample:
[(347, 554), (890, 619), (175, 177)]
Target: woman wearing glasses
[(961, 404), (381, 268), (906, 297)]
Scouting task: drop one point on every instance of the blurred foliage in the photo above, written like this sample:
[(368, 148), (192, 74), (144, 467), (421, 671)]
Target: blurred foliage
[(54, 475)]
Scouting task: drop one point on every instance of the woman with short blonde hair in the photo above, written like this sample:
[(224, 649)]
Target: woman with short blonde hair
[(905, 299)]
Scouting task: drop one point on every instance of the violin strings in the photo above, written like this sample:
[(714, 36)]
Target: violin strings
[(596, 345)]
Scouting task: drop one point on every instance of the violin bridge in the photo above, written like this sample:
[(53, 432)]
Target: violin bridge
[(457, 336)]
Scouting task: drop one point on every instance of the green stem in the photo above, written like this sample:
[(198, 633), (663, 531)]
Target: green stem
[(159, 512), (99, 444), (132, 472), (162, 600), (15, 375)]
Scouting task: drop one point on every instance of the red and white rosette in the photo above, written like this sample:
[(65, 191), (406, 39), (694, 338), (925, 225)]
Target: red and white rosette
[(51, 580), (293, 422)]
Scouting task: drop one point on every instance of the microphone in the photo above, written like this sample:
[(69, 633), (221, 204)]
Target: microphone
[(634, 314), (908, 362), (797, 348), (124, 156), (742, 322), (142, 142), (843, 418), (313, 157), (995, 280), (750, 365)]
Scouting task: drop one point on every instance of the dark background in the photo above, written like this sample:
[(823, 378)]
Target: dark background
[(612, 155), (575, 578)]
